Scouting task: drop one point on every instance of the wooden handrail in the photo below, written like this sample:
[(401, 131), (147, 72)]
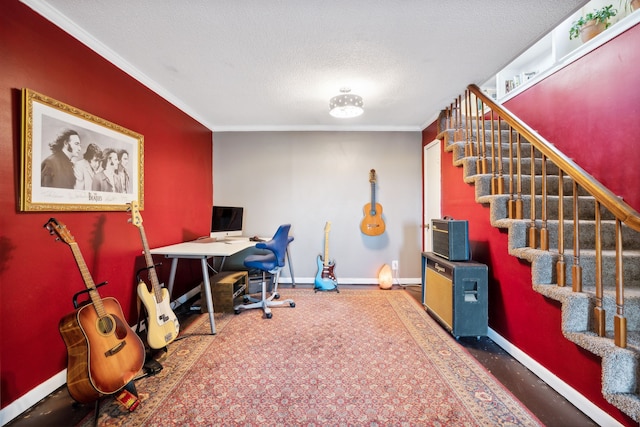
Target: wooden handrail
[(615, 204), (538, 238)]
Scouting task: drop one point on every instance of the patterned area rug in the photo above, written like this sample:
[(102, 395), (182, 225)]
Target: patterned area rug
[(358, 357)]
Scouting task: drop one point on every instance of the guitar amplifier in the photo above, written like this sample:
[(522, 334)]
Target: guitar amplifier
[(456, 294), (451, 239)]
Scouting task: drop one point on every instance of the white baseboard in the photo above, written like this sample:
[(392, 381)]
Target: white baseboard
[(17, 407), (354, 280), (35, 395), (564, 389)]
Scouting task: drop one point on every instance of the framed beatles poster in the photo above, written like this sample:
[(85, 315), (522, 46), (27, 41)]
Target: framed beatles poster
[(75, 161)]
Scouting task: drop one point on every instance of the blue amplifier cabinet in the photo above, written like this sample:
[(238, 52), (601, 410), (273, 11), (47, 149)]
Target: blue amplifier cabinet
[(456, 294), (451, 239)]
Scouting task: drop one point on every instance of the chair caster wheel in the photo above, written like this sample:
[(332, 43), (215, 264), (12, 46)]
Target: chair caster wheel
[(276, 296), (236, 311), (292, 304), (245, 299), (268, 315)]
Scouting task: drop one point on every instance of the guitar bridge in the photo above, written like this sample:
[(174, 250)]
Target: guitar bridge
[(115, 349)]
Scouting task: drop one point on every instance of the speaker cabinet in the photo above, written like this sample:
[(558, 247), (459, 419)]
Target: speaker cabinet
[(455, 294)]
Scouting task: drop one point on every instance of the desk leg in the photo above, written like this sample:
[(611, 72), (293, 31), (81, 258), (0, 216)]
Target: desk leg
[(293, 281), (172, 275), (207, 292)]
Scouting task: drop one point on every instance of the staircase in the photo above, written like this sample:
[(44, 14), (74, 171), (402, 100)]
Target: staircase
[(597, 277)]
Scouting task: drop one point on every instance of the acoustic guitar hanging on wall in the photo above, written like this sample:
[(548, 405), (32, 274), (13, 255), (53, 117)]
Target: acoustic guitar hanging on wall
[(372, 224)]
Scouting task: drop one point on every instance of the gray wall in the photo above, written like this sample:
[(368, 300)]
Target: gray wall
[(309, 178)]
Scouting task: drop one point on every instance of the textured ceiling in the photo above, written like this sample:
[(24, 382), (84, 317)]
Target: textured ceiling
[(273, 65)]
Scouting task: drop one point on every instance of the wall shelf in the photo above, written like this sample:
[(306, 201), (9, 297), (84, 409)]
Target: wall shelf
[(554, 51)]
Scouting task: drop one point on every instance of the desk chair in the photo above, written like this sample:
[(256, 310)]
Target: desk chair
[(271, 262)]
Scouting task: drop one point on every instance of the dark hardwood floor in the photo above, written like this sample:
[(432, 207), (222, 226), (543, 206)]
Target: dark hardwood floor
[(550, 407), (58, 409)]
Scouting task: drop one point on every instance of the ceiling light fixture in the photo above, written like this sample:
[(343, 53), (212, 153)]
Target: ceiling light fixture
[(346, 105)]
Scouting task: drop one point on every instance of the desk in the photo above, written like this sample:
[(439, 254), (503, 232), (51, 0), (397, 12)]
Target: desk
[(202, 251)]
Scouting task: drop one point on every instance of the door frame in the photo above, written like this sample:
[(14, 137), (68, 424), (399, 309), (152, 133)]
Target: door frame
[(432, 184)]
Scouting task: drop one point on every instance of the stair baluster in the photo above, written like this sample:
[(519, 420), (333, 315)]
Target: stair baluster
[(533, 235), (576, 268), (544, 231), (519, 201), (494, 177), (561, 266), (458, 136), (599, 315), (478, 138), (468, 119), (500, 186), (619, 320), (478, 164), (512, 202), (483, 158)]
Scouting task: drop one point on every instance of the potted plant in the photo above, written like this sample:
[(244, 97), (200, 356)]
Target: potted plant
[(592, 24)]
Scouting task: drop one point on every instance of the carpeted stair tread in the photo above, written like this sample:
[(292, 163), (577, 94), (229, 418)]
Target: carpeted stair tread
[(620, 365)]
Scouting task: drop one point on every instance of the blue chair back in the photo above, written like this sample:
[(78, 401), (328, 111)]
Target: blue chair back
[(278, 243), (277, 246)]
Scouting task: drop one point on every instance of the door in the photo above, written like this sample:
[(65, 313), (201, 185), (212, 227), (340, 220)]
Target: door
[(432, 179)]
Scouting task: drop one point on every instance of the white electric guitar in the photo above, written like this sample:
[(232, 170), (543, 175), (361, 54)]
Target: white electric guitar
[(162, 324)]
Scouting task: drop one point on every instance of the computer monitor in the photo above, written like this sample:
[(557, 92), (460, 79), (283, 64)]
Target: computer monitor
[(226, 221)]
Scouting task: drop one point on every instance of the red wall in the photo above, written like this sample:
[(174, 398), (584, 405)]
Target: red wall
[(38, 276), (589, 110)]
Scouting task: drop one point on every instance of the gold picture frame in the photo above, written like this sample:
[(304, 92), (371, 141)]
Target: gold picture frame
[(75, 161)]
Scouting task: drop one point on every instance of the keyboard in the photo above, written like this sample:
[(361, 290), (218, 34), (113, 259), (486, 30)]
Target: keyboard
[(236, 239)]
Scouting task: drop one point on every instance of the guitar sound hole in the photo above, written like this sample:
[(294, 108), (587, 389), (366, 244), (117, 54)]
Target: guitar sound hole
[(105, 325)]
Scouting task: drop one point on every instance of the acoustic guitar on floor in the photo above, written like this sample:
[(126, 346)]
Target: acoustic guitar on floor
[(104, 353), (325, 278), (372, 224), (162, 323)]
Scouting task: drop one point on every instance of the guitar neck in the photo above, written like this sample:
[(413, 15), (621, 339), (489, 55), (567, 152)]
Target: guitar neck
[(373, 198), (326, 248), (153, 277), (88, 280)]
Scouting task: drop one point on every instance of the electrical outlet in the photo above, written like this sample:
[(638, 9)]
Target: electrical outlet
[(394, 265)]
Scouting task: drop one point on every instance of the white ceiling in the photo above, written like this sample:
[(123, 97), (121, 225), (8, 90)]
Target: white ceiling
[(249, 65)]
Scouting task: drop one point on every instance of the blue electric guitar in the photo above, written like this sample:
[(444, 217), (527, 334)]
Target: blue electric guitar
[(325, 278)]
